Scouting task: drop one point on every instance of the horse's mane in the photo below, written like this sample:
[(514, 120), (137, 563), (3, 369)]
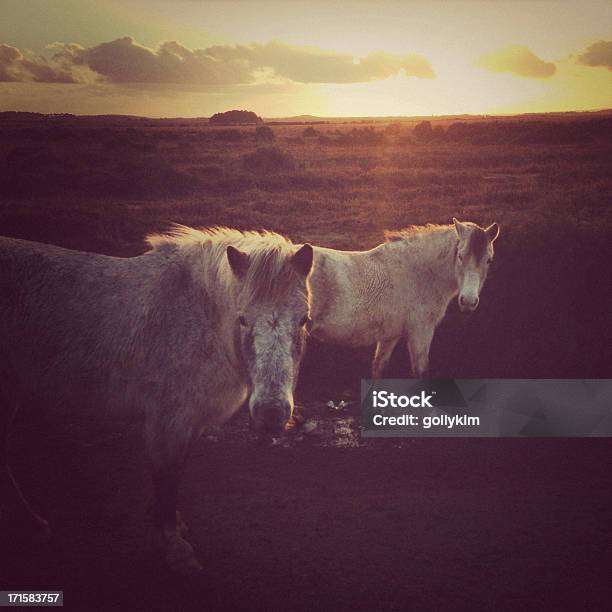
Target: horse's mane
[(269, 273), (412, 231), (182, 235)]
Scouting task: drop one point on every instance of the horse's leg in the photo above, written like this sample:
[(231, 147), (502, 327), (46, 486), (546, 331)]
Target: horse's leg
[(15, 509), (418, 344), (384, 350), (169, 448)]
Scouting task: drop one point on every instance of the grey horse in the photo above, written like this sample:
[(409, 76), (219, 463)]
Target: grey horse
[(185, 332), (400, 289)]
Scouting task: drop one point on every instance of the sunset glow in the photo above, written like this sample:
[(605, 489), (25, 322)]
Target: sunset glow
[(190, 58)]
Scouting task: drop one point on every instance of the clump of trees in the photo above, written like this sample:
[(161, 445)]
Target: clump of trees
[(235, 117)]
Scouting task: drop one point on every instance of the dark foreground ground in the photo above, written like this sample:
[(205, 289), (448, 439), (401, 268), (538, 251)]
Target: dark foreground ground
[(323, 521)]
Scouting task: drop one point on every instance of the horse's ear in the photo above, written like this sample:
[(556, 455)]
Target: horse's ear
[(492, 232), (302, 260), (238, 261), (461, 229)]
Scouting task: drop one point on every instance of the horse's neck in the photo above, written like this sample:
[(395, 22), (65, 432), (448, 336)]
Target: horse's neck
[(429, 260), (226, 290), (220, 288)]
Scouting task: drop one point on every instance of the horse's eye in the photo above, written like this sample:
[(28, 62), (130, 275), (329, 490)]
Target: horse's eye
[(460, 257), (489, 261), (305, 320), (242, 321)]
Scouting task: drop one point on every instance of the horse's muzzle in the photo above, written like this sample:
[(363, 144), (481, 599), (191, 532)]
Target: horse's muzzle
[(468, 305), (271, 417)]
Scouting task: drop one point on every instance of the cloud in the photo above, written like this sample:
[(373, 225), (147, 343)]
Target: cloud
[(517, 60), (124, 61), (312, 65), (598, 54), (16, 67)]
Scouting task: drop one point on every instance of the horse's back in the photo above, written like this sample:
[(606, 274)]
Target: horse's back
[(61, 312), (351, 300), (89, 329), (34, 266), (37, 277)]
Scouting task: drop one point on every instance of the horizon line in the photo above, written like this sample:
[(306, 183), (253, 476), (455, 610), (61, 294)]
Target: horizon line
[(316, 117)]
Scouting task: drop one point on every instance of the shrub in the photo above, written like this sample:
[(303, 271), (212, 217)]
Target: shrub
[(263, 133), (268, 160), (423, 132), (393, 129), (310, 132)]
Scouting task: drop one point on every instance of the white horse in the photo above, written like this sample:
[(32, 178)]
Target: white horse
[(185, 332), (400, 289)]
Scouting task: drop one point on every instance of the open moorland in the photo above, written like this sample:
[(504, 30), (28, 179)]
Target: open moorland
[(102, 184), (334, 522)]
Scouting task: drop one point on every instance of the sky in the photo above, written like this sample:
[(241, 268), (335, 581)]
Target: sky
[(171, 58)]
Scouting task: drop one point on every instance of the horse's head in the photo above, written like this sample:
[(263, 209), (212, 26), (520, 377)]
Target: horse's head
[(474, 256), (270, 329)]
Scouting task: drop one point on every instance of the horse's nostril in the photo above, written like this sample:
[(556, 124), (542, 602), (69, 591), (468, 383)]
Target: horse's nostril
[(272, 417), (468, 304)]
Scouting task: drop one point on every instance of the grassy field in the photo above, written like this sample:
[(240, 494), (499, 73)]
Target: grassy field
[(332, 521), (100, 184)]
